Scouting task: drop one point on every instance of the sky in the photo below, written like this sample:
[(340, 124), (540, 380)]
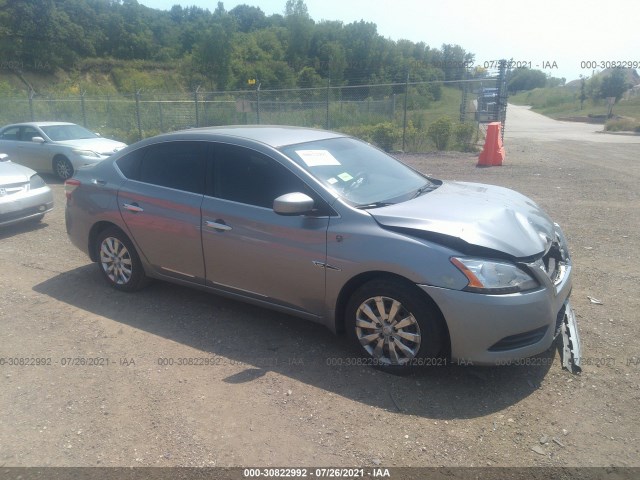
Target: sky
[(563, 38)]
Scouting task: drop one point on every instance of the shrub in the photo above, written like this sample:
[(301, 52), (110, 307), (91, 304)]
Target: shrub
[(464, 134), (416, 138), (622, 125), (363, 132), (383, 135), (440, 131)]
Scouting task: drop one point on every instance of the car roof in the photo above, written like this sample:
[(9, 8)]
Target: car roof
[(272, 135), (38, 124)]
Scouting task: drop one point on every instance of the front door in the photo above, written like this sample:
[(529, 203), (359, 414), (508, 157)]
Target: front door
[(36, 155), (251, 250)]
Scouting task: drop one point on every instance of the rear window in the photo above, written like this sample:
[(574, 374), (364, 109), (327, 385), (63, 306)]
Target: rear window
[(178, 165)]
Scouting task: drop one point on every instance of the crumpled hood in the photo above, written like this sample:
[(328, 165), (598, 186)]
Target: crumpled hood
[(481, 215), (14, 173), (103, 146)]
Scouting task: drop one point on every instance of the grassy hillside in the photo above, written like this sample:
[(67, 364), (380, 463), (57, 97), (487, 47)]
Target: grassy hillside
[(167, 103), (101, 77)]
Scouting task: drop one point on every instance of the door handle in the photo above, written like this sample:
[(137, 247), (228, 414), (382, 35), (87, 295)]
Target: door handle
[(218, 225), (100, 183), (132, 207)]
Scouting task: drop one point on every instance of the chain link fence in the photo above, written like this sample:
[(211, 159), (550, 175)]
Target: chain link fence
[(396, 116)]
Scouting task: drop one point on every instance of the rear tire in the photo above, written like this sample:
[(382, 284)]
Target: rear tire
[(118, 261), (395, 325), (62, 167)]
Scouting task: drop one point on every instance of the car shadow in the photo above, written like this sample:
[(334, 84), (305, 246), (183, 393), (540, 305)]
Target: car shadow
[(263, 340), (25, 226)]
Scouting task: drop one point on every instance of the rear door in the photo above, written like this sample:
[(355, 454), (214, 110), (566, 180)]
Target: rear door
[(251, 250), (160, 204)]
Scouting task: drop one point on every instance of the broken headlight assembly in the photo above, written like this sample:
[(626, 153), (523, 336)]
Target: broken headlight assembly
[(493, 276)]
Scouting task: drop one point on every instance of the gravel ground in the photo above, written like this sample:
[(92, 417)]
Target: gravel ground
[(270, 396)]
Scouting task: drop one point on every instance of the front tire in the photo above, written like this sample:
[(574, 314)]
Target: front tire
[(118, 261), (62, 167), (395, 325)]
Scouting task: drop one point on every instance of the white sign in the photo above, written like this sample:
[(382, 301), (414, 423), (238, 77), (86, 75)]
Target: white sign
[(315, 158)]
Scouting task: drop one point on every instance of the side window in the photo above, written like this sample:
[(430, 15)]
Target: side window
[(129, 165), (10, 133), (245, 176), (179, 165), (28, 133)]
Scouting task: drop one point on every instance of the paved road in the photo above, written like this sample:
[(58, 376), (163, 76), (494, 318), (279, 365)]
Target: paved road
[(523, 123)]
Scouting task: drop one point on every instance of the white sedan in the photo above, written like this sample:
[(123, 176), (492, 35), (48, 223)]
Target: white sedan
[(23, 194), (55, 147)]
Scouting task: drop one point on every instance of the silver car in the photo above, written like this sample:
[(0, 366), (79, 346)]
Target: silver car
[(328, 228), (24, 196), (55, 147)]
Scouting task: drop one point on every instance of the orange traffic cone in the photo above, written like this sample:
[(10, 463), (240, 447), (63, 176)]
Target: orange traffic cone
[(493, 152)]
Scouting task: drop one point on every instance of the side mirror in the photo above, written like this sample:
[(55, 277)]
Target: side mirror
[(4, 157), (293, 204), (37, 140), (97, 134)]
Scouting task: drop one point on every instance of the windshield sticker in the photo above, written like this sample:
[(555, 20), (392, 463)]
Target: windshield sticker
[(332, 180), (315, 158), (345, 177)]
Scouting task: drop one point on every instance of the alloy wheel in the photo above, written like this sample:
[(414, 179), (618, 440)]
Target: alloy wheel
[(387, 330), (116, 261), (64, 169)]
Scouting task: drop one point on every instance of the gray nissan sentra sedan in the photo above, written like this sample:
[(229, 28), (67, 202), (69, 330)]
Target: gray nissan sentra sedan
[(328, 228)]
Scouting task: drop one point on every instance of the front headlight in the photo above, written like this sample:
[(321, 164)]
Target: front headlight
[(85, 153), (36, 181), (494, 277)]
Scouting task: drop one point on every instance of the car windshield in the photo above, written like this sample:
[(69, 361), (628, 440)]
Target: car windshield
[(359, 173), (61, 133)]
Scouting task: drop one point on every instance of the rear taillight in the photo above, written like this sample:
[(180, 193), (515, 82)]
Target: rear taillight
[(69, 186)]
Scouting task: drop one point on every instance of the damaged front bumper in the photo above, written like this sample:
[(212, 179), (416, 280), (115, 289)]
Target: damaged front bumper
[(571, 350)]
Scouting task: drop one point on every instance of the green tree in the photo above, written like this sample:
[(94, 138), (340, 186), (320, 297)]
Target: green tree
[(214, 51), (300, 28), (453, 60), (359, 41), (309, 78), (332, 60), (526, 79), (593, 85), (225, 48), (555, 82), (614, 85), (583, 92), (36, 35), (249, 18), (260, 55)]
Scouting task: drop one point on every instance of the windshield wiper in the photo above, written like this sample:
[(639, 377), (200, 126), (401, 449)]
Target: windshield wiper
[(366, 206), (427, 187)]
